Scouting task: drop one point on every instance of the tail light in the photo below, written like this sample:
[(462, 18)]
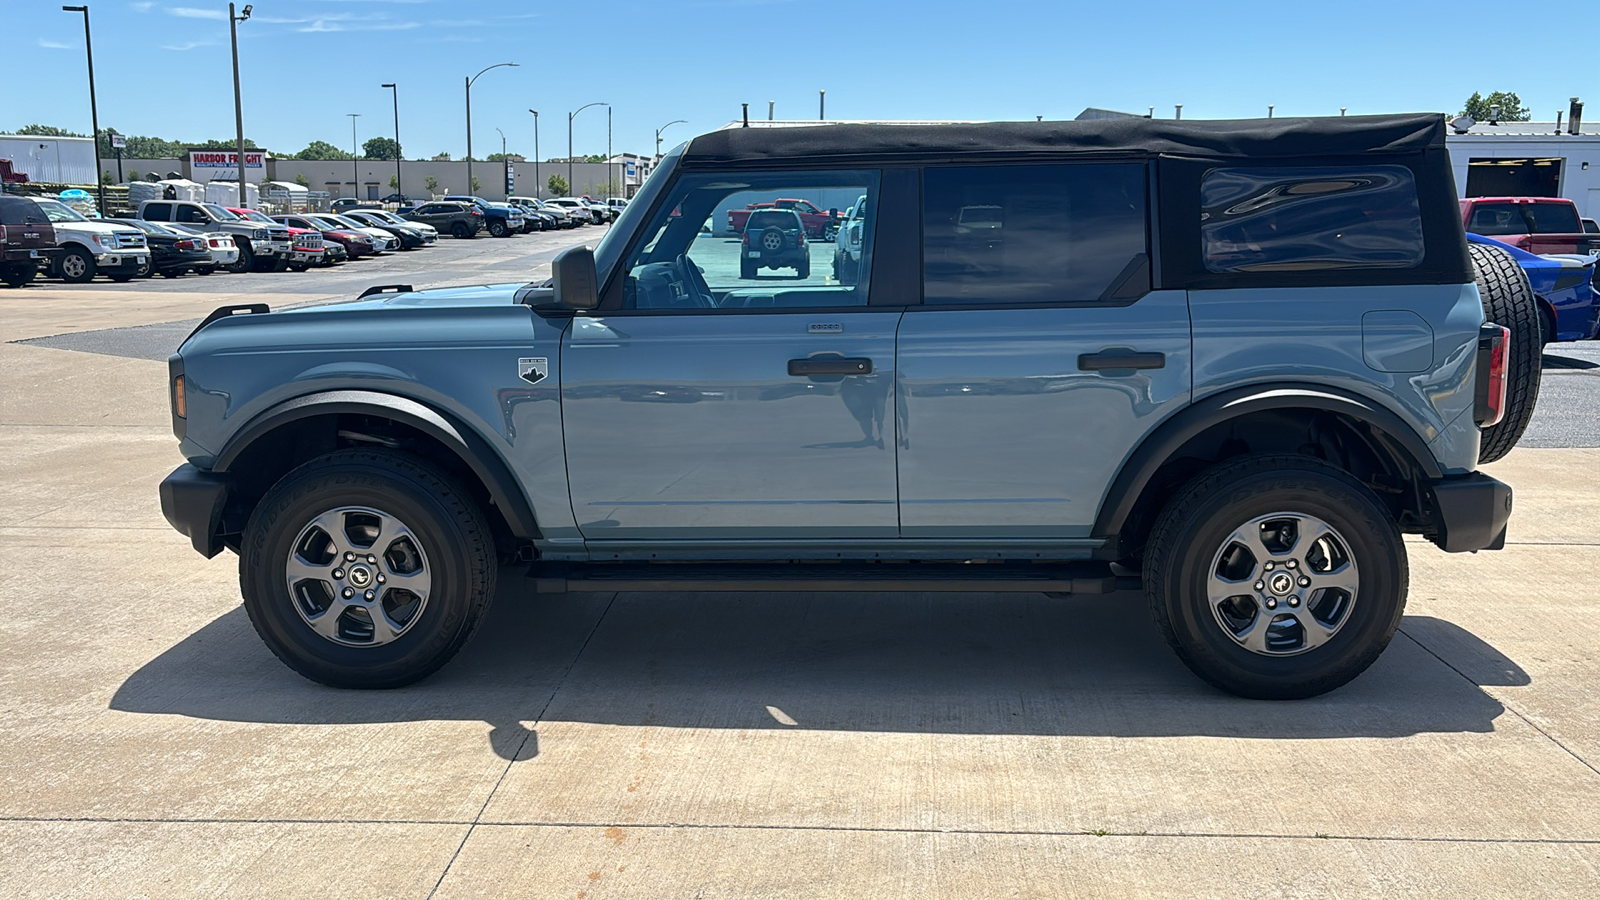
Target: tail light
[(477, 212), (184, 245), (746, 239), (1494, 359)]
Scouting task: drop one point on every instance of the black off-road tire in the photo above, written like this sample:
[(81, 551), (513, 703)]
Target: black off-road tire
[(17, 274), (803, 269), (452, 534), (1195, 526), (747, 269), (461, 230), (246, 260), (1508, 300)]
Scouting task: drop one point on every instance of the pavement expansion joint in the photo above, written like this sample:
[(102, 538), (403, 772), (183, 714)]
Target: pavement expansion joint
[(1503, 702)]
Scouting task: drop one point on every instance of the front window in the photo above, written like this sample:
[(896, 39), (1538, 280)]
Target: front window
[(221, 213), (721, 241), (256, 215), (56, 211)]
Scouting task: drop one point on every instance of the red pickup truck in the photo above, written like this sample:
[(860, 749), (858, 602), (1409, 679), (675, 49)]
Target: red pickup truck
[(1534, 224), (816, 221)]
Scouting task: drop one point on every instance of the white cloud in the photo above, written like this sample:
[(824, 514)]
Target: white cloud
[(53, 45), (333, 23), (143, 6), (189, 12), (188, 45)]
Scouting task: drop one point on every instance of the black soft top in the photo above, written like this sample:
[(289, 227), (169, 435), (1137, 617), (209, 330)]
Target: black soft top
[(1281, 138)]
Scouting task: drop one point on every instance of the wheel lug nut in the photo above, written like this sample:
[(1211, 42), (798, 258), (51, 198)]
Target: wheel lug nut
[(1293, 601), (1304, 581), (1291, 564), (370, 595), (380, 578), (1260, 586), (1271, 603), (349, 557), (371, 558), (1269, 566), (348, 593), (338, 573)]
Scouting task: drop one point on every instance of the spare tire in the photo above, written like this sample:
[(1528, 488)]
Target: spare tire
[(1508, 300)]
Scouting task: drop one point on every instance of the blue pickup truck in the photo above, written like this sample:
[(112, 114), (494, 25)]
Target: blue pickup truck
[(1228, 364)]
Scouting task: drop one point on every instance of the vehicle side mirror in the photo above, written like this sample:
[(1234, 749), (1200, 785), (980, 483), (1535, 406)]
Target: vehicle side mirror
[(574, 279), (833, 213)]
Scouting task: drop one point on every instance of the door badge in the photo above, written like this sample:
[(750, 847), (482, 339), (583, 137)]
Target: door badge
[(532, 369)]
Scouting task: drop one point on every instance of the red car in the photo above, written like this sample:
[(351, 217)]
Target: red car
[(355, 243), (307, 242), (816, 221), (1534, 224)]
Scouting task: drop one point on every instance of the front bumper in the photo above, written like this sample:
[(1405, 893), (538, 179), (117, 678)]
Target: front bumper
[(119, 260), (307, 256), (271, 248), (1472, 511), (192, 500)]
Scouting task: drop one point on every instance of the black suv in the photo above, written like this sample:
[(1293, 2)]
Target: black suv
[(774, 239), (460, 219)]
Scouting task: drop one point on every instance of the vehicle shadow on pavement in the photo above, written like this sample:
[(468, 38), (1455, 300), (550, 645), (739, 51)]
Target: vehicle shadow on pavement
[(930, 663)]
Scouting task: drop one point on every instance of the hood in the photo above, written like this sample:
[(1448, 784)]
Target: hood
[(464, 295), (93, 227)]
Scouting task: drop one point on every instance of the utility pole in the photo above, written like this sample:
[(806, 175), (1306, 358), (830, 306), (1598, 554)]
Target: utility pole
[(238, 107), (94, 112), (399, 186), (355, 154), (537, 184), (469, 118)]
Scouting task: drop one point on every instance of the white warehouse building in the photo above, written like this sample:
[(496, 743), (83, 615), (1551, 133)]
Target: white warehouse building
[(1529, 159)]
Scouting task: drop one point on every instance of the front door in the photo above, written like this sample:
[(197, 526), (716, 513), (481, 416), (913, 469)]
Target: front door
[(1040, 355), (707, 400)]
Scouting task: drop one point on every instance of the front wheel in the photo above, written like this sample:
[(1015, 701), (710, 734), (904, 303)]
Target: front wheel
[(1276, 577), (246, 260), (366, 569), (498, 229), (77, 266)]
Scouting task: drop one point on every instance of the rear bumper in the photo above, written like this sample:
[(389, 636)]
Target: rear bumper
[(1472, 513), (192, 500)]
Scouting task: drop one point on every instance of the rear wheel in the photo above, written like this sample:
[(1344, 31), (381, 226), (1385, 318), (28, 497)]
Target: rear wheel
[(461, 230), (1276, 577), (747, 269), (804, 268), (366, 569), (18, 274), (1508, 300)]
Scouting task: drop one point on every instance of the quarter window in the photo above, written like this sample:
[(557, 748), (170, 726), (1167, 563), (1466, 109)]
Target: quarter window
[(1058, 234), (1300, 219)]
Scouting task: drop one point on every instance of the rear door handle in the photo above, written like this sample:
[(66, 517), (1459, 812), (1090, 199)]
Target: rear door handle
[(1120, 359), (831, 365)]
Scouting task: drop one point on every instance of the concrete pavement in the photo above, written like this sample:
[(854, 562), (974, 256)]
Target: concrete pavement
[(781, 745)]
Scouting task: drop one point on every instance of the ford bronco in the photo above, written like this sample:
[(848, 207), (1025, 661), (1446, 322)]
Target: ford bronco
[(1231, 363)]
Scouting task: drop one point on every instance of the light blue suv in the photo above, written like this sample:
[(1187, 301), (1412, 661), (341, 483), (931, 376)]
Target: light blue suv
[(1232, 362)]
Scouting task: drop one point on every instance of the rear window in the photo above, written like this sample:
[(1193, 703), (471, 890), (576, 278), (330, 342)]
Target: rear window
[(1300, 219), (1524, 218), (771, 218)]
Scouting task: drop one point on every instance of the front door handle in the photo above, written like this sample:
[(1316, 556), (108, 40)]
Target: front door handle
[(831, 365), (1120, 359)]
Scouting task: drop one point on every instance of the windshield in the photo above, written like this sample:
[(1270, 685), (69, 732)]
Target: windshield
[(347, 222), (220, 212), (256, 215), (56, 211), (327, 222), (142, 225), (389, 217)]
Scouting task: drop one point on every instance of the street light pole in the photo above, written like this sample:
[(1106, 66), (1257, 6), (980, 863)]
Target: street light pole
[(94, 112), (664, 128), (536, 183), (503, 161), (238, 107), (570, 116), (398, 184), (469, 118), (610, 165), (355, 154)]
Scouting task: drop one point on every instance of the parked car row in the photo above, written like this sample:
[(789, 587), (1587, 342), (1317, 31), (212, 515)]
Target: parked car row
[(1555, 247)]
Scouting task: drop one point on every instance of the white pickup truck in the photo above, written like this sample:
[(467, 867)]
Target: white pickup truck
[(90, 248)]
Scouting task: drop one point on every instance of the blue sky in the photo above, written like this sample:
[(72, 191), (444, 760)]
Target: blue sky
[(163, 69)]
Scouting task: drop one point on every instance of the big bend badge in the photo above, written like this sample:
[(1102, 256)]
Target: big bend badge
[(532, 369)]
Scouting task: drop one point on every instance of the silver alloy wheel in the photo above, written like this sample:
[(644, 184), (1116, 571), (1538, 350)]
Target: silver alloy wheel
[(1282, 584), (73, 266), (358, 576)]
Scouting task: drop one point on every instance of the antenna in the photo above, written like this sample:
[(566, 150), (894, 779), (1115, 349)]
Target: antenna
[(746, 114), (1180, 111), (1269, 110)]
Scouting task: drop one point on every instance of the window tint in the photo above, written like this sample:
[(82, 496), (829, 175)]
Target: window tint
[(712, 245), (1297, 219), (1033, 234), (157, 212), (1523, 218)]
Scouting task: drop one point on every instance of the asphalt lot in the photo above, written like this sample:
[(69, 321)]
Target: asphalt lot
[(783, 745)]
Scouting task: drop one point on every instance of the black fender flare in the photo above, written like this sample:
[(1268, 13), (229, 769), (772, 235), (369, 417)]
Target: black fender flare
[(1158, 447), (467, 445)]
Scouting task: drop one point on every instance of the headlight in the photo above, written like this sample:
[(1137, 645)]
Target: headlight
[(98, 239), (260, 234)]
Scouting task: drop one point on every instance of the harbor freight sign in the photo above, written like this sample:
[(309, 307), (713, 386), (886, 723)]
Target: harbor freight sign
[(225, 159)]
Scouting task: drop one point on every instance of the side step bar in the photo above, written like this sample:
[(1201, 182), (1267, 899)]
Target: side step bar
[(1051, 578)]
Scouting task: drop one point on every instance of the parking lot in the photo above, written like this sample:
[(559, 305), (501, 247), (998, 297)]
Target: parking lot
[(723, 745)]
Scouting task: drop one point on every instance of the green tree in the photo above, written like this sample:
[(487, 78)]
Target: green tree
[(1510, 105), (48, 131), (321, 150), (302, 180), (476, 184), (557, 185), (141, 147), (381, 148), (431, 183), (595, 157), (607, 188), (133, 174), (441, 156), (394, 182), (229, 144), (505, 157)]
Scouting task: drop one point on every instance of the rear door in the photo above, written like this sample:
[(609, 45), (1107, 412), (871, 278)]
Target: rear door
[(1041, 353)]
